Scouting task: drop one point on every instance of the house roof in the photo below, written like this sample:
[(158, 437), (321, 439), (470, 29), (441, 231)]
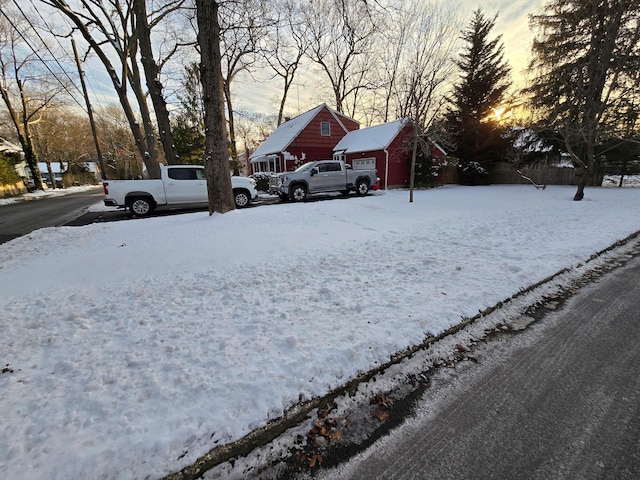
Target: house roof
[(444, 152), (288, 131), (378, 137), (529, 142), (55, 166), (9, 147)]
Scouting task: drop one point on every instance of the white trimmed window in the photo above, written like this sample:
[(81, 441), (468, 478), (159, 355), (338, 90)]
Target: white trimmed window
[(364, 163), (325, 129)]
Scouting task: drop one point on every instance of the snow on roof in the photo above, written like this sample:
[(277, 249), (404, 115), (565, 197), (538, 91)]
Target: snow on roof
[(529, 142), (287, 132), (371, 138), (55, 167), (9, 147), (436, 145)]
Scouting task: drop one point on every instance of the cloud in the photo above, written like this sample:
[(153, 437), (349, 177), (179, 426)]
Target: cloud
[(513, 25)]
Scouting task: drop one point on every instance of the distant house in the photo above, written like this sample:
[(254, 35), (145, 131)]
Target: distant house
[(529, 148), (80, 173), (387, 147), (308, 137), (56, 169), (8, 147)]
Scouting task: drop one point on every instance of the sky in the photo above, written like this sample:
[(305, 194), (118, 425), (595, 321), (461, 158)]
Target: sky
[(512, 23), (129, 349), (258, 94)]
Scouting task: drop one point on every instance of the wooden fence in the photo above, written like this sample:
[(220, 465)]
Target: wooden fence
[(503, 173)]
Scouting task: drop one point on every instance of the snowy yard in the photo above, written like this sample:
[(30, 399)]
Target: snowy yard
[(130, 349)]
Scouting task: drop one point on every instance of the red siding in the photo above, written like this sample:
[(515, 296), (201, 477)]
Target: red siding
[(399, 160), (311, 145), (349, 123)]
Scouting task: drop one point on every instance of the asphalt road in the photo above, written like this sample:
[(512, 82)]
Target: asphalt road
[(558, 401), (20, 218)]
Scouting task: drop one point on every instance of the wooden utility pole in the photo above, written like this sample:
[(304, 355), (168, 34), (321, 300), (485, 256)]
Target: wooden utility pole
[(103, 172)]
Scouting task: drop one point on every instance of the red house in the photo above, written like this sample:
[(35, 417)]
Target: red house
[(305, 138), (385, 147), (324, 133)]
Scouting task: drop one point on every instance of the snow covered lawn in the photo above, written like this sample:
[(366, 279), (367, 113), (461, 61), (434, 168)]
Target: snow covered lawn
[(130, 349)]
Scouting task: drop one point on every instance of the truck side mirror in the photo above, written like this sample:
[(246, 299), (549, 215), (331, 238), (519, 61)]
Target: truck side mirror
[(314, 170)]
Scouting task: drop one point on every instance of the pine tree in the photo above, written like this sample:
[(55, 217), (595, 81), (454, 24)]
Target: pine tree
[(586, 58), (188, 124), (484, 80)]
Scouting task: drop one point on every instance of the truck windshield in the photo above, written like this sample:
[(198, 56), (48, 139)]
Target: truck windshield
[(306, 167)]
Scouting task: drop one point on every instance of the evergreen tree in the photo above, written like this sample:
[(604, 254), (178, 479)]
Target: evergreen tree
[(471, 117), (586, 58), (8, 175), (188, 123)]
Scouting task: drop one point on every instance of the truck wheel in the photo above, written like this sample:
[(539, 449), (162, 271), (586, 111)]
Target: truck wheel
[(242, 198), (298, 193), (362, 187), (140, 206)]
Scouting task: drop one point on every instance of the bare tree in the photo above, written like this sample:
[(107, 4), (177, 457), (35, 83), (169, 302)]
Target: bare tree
[(397, 26), (242, 25), (63, 136), (285, 45), (216, 150), (117, 143), (106, 27), (119, 30), (27, 88), (253, 129), (152, 70), (340, 36), (422, 66), (425, 67)]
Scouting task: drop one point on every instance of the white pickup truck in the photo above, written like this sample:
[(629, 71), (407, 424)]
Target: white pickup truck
[(321, 176), (182, 186)]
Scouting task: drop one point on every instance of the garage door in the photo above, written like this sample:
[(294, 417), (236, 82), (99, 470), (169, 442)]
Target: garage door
[(364, 164)]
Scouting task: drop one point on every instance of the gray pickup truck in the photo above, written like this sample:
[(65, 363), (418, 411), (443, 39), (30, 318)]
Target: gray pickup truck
[(321, 176)]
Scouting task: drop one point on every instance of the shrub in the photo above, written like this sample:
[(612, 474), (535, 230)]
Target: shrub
[(8, 174), (262, 181)]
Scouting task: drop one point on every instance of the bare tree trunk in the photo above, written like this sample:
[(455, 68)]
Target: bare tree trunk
[(152, 77), (581, 184), (587, 172), (233, 148), (135, 80), (31, 159), (30, 155), (145, 148), (216, 160), (414, 154)]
